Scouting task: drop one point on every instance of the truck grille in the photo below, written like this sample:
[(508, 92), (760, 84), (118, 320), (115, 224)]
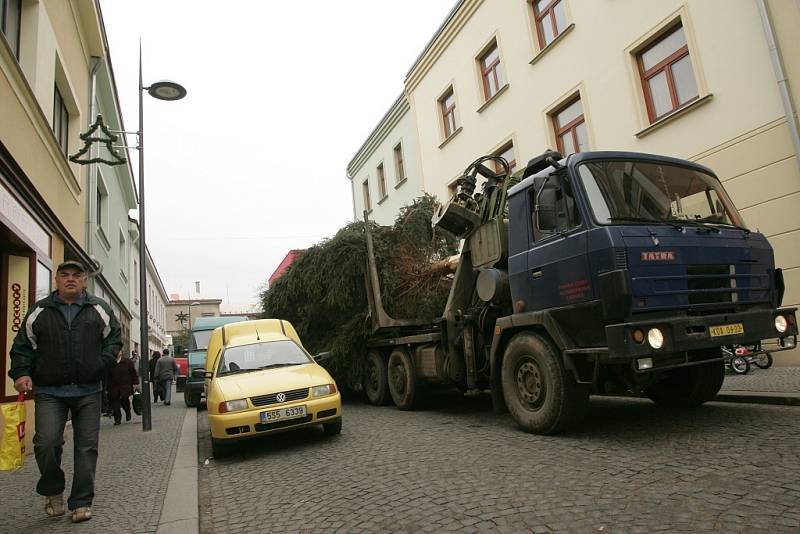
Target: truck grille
[(293, 395), (709, 284)]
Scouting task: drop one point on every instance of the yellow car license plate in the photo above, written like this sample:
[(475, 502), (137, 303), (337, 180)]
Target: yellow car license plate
[(281, 414), (726, 329)]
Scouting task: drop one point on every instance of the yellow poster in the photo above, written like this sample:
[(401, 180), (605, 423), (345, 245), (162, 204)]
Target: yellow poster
[(18, 291)]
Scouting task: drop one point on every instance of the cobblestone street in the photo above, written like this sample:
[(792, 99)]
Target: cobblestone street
[(631, 467), (133, 470)]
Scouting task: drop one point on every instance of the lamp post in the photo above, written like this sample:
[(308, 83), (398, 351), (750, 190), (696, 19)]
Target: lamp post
[(163, 90)]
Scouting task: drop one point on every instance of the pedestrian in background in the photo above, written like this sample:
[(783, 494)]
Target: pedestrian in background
[(166, 371), (153, 361), (122, 379), (67, 342), (135, 359)]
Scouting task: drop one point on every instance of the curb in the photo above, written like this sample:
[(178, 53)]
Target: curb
[(759, 397), (180, 510)]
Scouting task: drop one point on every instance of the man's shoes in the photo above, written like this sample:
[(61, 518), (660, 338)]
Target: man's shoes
[(166, 403), (127, 417), (54, 505), (81, 514), (117, 423)]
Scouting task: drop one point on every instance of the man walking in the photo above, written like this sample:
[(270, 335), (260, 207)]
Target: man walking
[(166, 371), (65, 345)]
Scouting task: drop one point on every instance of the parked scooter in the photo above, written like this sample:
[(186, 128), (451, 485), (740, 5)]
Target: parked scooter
[(739, 358)]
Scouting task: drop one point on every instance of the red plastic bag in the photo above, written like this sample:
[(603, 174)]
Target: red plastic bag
[(12, 448)]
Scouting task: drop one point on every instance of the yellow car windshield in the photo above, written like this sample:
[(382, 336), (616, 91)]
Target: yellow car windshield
[(258, 356)]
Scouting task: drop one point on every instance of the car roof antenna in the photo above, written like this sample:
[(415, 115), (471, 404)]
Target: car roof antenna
[(258, 338)]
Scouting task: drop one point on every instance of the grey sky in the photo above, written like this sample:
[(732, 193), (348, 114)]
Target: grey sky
[(281, 94)]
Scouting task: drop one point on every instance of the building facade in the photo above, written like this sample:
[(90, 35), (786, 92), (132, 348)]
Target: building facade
[(711, 81), (181, 314), (289, 259), (156, 308)]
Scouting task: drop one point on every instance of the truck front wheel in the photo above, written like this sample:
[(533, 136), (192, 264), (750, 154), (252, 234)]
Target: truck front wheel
[(402, 380), (376, 385), (686, 387), (540, 394)]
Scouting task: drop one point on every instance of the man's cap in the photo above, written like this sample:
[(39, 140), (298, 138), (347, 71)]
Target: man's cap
[(71, 264)]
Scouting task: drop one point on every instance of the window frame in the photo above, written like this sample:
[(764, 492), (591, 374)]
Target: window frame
[(5, 8), (665, 66), (399, 164), (491, 70), (61, 121), (571, 126), (538, 16), (505, 147), (380, 172), (445, 111)]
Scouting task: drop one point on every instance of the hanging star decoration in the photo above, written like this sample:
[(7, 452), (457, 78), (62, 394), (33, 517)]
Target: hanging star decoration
[(181, 317), (107, 138)]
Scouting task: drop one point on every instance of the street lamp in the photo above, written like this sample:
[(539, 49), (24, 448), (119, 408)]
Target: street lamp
[(163, 90)]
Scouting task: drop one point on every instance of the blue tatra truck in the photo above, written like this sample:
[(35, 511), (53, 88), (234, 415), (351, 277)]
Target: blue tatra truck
[(601, 272)]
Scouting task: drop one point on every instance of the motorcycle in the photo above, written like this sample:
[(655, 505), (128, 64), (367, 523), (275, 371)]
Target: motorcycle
[(739, 358)]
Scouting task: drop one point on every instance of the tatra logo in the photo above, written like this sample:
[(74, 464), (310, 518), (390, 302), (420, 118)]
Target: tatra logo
[(660, 255), (16, 302), (280, 397)]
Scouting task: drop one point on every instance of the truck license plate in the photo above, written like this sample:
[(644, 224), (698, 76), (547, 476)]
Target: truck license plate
[(281, 414), (726, 329)]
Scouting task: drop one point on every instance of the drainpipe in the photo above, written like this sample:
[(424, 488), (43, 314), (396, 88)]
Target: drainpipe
[(92, 176), (783, 83)]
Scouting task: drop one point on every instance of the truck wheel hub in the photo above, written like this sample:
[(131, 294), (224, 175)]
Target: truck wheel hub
[(529, 383)]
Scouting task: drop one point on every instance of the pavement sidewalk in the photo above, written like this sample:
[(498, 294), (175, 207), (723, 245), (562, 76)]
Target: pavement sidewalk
[(776, 385), (145, 481)]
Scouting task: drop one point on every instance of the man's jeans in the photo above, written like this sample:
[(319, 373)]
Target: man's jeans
[(166, 390), (48, 443)]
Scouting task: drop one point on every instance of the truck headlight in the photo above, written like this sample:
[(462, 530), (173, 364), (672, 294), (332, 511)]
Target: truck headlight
[(233, 406), (321, 391), (655, 338), (780, 324)]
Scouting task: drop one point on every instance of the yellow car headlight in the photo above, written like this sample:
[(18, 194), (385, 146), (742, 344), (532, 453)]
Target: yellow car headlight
[(233, 406), (321, 391)]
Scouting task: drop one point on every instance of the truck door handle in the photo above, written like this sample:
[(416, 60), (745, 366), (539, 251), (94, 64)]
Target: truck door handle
[(537, 273)]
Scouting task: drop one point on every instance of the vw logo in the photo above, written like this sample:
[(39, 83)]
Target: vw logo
[(280, 397)]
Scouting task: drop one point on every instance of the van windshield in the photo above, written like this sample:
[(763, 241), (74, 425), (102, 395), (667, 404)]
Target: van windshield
[(623, 191), (257, 356)]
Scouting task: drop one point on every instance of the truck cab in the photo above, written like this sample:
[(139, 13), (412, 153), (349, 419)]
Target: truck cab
[(637, 268)]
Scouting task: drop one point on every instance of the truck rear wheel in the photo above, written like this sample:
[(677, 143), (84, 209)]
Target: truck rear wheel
[(402, 379), (376, 385), (540, 394), (687, 387)]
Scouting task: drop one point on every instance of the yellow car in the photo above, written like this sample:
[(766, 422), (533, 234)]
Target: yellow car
[(260, 380)]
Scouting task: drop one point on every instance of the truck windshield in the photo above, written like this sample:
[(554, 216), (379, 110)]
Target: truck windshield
[(200, 339), (630, 191)]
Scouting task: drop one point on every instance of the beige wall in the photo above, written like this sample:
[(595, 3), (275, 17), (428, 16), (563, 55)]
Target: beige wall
[(397, 127), (737, 127), (204, 307), (58, 38)]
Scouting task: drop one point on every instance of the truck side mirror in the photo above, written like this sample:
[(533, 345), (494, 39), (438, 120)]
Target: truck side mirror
[(201, 373)]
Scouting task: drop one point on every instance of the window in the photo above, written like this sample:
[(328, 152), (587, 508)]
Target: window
[(101, 205), (43, 281), (400, 170), (570, 128), (491, 73), (381, 182), (123, 255), (448, 106), (667, 76), (365, 191), (550, 20), (10, 15), (506, 152), (61, 122)]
